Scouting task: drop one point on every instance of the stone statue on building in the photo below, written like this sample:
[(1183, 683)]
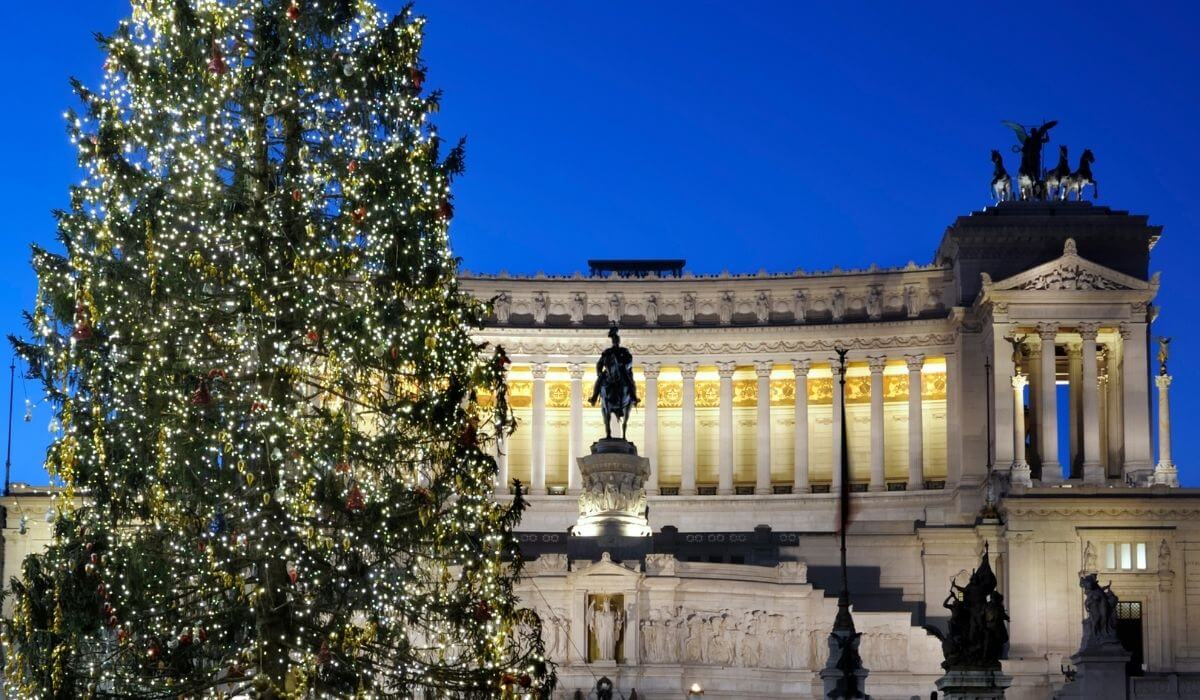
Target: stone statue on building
[(1100, 625), (615, 387), (689, 309), (541, 307), (978, 632), (651, 314), (1029, 175), (1018, 352), (501, 306), (578, 307), (1163, 352), (604, 621)]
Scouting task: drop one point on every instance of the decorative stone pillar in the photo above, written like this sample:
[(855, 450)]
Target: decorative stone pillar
[(687, 432), (1075, 413), (839, 398), (1135, 402), (916, 435), (502, 482), (1002, 405), (725, 428), (1020, 467), (1048, 406), (575, 446), (1093, 467), (1033, 421), (1116, 432), (762, 450), (800, 454), (650, 435), (538, 430), (877, 477), (1165, 471)]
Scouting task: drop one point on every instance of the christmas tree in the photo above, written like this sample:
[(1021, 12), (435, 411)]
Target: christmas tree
[(272, 425)]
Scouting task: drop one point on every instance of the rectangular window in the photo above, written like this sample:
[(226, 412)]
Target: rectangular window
[(1141, 556), (1126, 556), (1110, 556)]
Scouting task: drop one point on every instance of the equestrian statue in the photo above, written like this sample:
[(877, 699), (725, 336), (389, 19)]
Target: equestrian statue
[(615, 388), (1030, 182)]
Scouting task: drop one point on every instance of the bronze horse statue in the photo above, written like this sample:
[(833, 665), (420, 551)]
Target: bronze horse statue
[(615, 386), (1001, 180), (1056, 179), (1081, 178)]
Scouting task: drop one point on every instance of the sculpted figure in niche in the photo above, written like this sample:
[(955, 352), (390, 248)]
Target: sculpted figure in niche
[(651, 310), (1089, 557), (800, 306), (726, 308), (1164, 559), (540, 308), (838, 305), (502, 306), (689, 309), (762, 307), (614, 308), (874, 303), (910, 301), (578, 307), (604, 621)]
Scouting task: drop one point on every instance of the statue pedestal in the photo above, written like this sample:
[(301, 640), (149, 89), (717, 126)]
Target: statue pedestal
[(1099, 674), (612, 502), (973, 684)]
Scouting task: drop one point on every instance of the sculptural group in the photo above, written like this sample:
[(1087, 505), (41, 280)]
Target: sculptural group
[(1035, 182), (978, 633)]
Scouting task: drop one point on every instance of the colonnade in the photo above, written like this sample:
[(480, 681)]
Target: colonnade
[(651, 440)]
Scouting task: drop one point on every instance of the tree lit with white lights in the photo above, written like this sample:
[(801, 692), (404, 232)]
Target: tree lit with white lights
[(271, 424)]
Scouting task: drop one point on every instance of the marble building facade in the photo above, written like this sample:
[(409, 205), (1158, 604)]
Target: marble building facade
[(734, 587)]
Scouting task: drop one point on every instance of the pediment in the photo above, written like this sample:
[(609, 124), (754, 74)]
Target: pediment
[(606, 568), (1069, 273)]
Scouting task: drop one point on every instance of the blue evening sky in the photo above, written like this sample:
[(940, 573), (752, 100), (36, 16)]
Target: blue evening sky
[(739, 136)]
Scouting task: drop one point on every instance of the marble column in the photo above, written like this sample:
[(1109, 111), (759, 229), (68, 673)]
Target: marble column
[(1165, 471), (1002, 405), (1020, 468), (1048, 406), (1075, 413), (1135, 401), (1033, 420), (800, 454), (725, 428), (877, 477), (839, 398), (650, 435), (916, 435), (502, 480), (762, 450), (537, 427), (687, 432), (575, 446), (1093, 467), (1116, 436)]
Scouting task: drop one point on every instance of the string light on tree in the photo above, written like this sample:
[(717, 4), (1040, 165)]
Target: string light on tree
[(270, 422)]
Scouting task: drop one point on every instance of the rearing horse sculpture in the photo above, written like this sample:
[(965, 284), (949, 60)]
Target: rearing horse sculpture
[(614, 384)]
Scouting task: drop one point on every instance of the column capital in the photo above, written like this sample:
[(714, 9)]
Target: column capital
[(688, 369), (877, 364), (1047, 331), (539, 369), (762, 368), (576, 370), (801, 367), (1162, 381), (915, 362), (1125, 331), (651, 369), (1074, 350), (1088, 330), (725, 369), (1019, 381)]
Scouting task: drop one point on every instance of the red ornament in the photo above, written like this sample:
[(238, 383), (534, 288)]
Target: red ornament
[(313, 336), (508, 680), (296, 195), (122, 635), (217, 63), (359, 214), (293, 12), (102, 591), (202, 634), (525, 680), (353, 166), (83, 324), (201, 396), (342, 468), (446, 210), (354, 501), (185, 639), (417, 77), (293, 575), (323, 653), (112, 620)]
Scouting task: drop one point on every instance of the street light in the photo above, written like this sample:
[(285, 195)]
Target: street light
[(695, 691)]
